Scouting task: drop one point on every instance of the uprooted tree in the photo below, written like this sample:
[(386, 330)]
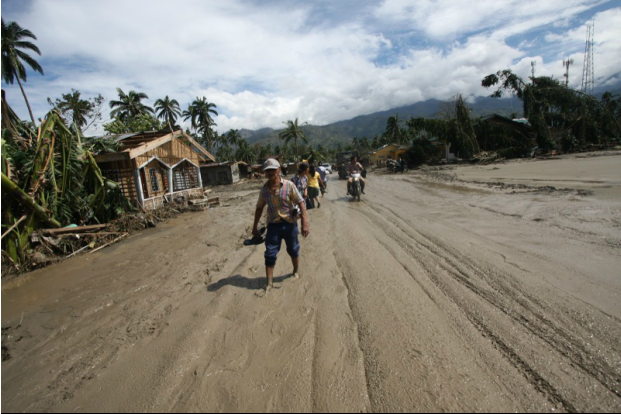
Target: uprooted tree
[(577, 119)]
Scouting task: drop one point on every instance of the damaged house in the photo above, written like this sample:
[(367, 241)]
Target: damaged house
[(156, 167)]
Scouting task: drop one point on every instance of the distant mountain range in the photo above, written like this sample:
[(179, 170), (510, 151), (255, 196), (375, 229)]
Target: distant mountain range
[(375, 124)]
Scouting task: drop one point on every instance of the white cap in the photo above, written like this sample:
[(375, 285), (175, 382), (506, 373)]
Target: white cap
[(271, 164)]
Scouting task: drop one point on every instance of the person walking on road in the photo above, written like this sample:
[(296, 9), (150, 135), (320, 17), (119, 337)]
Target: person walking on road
[(323, 173), (301, 180), (282, 199), (314, 186)]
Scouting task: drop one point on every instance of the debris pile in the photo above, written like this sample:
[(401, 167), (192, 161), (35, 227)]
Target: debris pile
[(55, 245)]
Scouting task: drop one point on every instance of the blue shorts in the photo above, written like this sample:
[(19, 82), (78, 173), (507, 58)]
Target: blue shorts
[(276, 233)]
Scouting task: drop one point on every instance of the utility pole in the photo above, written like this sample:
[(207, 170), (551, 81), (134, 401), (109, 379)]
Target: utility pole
[(533, 63), (566, 64), (588, 71)]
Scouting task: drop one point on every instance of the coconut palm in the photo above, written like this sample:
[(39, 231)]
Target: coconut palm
[(394, 131), (78, 110), (168, 110), (12, 58), (294, 133), (199, 112), (245, 152), (315, 155), (234, 137), (225, 153), (129, 106)]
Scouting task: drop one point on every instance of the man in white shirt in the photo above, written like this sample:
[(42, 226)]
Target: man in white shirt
[(323, 173)]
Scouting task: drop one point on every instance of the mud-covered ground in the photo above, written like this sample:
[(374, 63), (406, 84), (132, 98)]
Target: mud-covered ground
[(493, 288)]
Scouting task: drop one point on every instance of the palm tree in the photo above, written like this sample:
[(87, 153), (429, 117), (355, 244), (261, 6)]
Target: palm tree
[(168, 110), (12, 57), (234, 137), (225, 153), (294, 133), (393, 130), (79, 108), (315, 155), (200, 112), (245, 152), (129, 106), (263, 152)]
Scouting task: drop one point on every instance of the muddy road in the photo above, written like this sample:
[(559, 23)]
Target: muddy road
[(429, 295)]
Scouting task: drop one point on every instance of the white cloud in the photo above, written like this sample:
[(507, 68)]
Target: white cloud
[(264, 63)]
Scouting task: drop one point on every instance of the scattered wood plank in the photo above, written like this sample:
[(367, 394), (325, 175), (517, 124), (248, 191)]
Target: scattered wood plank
[(111, 243), (205, 201), (74, 230), (100, 233), (78, 251)]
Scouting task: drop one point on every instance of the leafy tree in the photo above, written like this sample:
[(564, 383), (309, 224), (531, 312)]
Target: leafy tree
[(294, 133), (576, 117), (12, 57), (129, 106), (168, 110), (456, 129), (421, 152), (140, 123), (82, 113)]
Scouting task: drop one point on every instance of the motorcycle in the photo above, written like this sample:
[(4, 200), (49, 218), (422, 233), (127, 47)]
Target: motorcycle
[(398, 168), (356, 186)]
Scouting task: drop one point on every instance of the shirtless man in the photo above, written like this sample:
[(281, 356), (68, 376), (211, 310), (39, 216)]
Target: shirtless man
[(354, 167)]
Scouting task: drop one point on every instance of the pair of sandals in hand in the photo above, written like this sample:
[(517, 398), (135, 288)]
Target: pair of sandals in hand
[(260, 239)]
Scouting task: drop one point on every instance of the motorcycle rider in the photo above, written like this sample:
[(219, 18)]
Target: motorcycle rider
[(354, 167)]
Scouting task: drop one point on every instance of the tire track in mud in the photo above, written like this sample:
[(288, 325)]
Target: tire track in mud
[(536, 380), (357, 327), (466, 272), (546, 330)]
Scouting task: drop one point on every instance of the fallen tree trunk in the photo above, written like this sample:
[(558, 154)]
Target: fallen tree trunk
[(26, 201)]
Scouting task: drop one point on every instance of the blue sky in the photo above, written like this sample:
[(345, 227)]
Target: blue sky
[(264, 62)]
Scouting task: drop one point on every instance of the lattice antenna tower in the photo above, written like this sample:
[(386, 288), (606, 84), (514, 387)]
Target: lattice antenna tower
[(566, 64), (588, 71)]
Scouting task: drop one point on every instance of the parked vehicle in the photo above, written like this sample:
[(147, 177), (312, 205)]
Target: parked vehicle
[(397, 166)]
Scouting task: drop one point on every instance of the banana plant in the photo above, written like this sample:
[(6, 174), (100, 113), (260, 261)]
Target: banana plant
[(50, 179)]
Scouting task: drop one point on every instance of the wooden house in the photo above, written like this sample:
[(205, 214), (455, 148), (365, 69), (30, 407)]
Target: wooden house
[(155, 167), (226, 173)]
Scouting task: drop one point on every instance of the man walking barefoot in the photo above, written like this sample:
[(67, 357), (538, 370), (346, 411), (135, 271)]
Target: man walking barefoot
[(281, 198)]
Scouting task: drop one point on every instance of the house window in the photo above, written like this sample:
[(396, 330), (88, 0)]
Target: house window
[(155, 184), (185, 177)]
